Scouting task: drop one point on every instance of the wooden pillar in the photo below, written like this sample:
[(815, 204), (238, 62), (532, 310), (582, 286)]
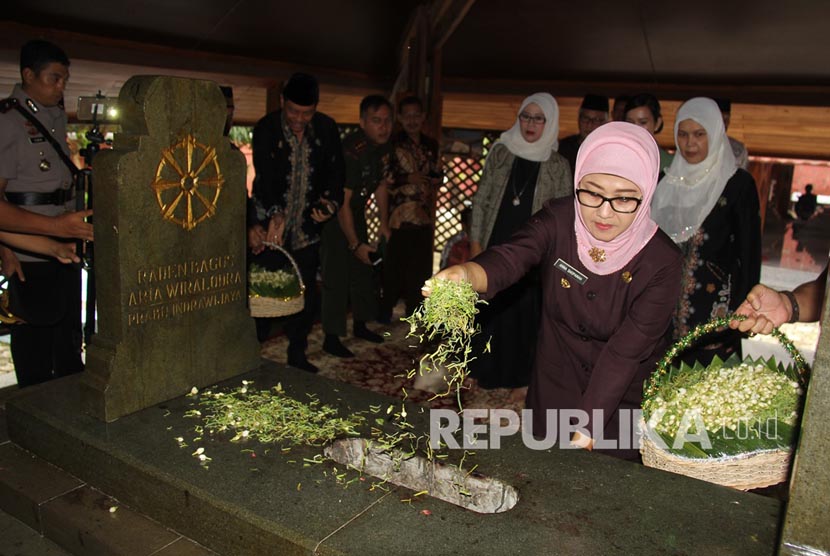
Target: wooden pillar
[(434, 98), (419, 71), (272, 97)]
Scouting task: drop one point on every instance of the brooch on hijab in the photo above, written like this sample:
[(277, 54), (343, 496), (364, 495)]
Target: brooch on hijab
[(597, 255), (626, 277)]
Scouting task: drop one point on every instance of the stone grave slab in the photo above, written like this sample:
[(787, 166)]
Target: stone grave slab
[(255, 500), (805, 530), (170, 240)]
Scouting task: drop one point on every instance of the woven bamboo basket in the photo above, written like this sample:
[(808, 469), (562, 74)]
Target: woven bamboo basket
[(264, 307), (741, 471)]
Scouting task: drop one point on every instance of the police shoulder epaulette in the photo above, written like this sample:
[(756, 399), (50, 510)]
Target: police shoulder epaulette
[(360, 145)]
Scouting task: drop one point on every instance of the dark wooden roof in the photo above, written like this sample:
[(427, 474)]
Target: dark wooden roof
[(754, 51), (734, 42), (357, 35)]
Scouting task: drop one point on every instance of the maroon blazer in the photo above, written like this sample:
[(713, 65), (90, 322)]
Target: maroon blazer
[(598, 340)]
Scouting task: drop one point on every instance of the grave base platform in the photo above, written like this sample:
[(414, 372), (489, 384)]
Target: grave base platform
[(252, 499)]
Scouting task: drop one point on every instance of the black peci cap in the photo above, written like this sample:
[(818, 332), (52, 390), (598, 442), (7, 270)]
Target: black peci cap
[(302, 89), (594, 102)]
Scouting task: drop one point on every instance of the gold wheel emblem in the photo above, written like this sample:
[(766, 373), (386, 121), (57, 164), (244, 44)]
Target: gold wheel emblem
[(188, 182)]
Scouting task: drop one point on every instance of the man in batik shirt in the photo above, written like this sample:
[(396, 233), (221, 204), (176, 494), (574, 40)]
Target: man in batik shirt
[(408, 257), (298, 160)]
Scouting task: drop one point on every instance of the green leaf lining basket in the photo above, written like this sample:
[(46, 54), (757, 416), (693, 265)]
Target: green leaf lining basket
[(264, 301), (743, 454)]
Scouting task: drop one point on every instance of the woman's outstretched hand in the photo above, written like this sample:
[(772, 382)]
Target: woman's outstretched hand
[(455, 273), (468, 272)]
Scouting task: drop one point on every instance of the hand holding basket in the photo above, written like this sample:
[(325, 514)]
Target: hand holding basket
[(262, 306), (737, 460)]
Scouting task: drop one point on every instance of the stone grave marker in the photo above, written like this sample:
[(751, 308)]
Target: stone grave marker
[(170, 242), (805, 531)]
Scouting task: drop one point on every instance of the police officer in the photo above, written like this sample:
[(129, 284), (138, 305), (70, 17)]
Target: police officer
[(346, 254), (36, 197)]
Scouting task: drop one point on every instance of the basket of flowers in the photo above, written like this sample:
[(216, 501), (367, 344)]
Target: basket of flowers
[(731, 422), (275, 293)]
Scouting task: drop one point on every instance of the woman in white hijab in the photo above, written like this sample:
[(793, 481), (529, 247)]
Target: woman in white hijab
[(710, 208), (522, 171)]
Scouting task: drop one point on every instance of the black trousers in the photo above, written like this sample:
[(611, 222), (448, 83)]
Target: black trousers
[(48, 345), (346, 282), (407, 264), (296, 327)]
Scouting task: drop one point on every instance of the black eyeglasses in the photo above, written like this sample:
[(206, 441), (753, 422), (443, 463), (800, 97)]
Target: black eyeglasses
[(625, 205), (527, 118), (589, 120)]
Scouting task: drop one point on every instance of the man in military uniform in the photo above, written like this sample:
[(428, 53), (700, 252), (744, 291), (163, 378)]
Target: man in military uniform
[(298, 160), (347, 255), (36, 198)]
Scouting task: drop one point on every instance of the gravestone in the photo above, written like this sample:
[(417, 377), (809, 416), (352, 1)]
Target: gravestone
[(170, 242), (805, 531)]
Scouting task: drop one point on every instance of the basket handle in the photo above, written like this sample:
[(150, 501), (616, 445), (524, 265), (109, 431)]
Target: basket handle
[(288, 256), (703, 329)]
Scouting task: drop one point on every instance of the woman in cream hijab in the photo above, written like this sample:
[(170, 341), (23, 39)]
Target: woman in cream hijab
[(522, 171), (710, 208)]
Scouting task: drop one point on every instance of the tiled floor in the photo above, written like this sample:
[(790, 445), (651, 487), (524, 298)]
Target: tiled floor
[(21, 540)]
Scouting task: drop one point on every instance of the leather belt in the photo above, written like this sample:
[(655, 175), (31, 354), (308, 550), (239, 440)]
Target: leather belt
[(57, 197)]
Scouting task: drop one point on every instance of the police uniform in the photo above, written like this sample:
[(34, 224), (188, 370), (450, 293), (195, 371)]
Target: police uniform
[(345, 277), (49, 343)]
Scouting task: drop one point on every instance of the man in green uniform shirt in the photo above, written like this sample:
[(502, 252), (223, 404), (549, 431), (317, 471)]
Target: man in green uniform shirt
[(346, 253)]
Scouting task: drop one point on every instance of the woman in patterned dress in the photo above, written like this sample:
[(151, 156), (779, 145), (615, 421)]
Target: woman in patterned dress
[(709, 207)]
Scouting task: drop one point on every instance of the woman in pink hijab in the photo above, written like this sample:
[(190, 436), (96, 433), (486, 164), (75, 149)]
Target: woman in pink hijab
[(610, 280)]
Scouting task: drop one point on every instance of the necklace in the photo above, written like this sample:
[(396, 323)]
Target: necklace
[(517, 197)]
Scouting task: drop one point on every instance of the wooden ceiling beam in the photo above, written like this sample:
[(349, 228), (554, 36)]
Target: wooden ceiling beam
[(445, 17), (775, 94), (82, 46)]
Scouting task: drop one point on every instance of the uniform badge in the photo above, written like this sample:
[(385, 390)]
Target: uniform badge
[(626, 277), (44, 165), (565, 283), (571, 272), (32, 106)]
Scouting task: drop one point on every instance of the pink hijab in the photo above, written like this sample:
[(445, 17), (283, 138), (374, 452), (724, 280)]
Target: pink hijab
[(630, 152)]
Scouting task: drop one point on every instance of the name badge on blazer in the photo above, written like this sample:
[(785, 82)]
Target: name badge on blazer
[(570, 271)]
